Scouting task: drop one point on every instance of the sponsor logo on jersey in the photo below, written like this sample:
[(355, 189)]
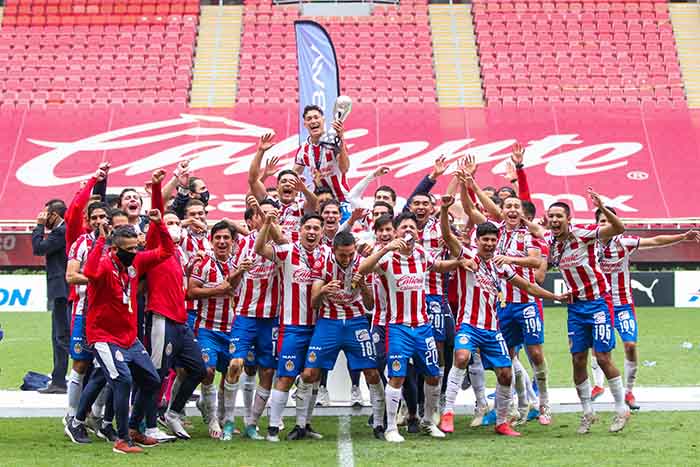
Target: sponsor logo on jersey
[(312, 356), (435, 308), (362, 335), (623, 315), (599, 317), (410, 282), (302, 276), (396, 365), (529, 312), (131, 271), (289, 365), (430, 343)]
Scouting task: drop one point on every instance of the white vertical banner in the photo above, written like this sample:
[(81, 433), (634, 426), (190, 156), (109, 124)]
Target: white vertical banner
[(687, 289), (20, 292)]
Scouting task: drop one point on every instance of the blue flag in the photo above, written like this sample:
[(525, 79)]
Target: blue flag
[(319, 80)]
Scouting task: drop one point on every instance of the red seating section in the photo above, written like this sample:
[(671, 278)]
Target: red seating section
[(385, 57), (590, 52), (94, 53)]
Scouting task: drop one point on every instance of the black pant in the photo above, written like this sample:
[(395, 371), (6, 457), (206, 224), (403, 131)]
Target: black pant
[(60, 341)]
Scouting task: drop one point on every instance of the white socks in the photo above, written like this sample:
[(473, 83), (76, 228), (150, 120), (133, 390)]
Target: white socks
[(584, 394), (247, 385), (393, 397), (220, 404), (432, 399), (75, 389), (618, 392), (541, 378), (504, 397), (519, 382), (630, 374), (261, 397), (208, 404), (278, 401), (377, 399), (598, 375), (230, 391), (311, 403), (454, 383), (98, 407), (303, 396), (476, 376)]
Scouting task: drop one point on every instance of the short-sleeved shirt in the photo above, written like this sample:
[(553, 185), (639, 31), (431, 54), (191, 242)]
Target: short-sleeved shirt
[(614, 260), (516, 243), (259, 290), (214, 313), (346, 304), (430, 238), (78, 252), (325, 160)]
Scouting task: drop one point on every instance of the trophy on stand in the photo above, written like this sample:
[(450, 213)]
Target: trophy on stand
[(341, 110)]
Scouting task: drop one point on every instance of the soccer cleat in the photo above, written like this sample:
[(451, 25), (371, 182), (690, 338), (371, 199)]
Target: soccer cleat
[(107, 433), (619, 422), (479, 413), (251, 431), (447, 422), (533, 414), (227, 434), (142, 440), (545, 416), (174, 423), (631, 401), (273, 434), (429, 428), (393, 436), (93, 423), (587, 420), (77, 432), (489, 418), (296, 434), (311, 433), (125, 447), (356, 397), (506, 430), (159, 435), (596, 392), (323, 399), (214, 429), (378, 432), (413, 425)]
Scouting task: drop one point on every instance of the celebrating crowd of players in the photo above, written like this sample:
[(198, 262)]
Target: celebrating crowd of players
[(163, 302)]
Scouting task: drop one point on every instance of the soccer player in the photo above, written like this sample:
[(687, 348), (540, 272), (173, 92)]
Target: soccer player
[(331, 164), (112, 322), (614, 257), (478, 290), (255, 329), (212, 283), (194, 241), (401, 266), (342, 297), (590, 311), (296, 261)]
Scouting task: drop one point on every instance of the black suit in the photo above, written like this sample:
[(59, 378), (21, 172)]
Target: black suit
[(53, 247)]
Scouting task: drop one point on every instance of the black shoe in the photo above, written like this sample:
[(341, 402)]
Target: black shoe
[(273, 434), (51, 389), (296, 434), (413, 426), (378, 432), (77, 434), (107, 433), (421, 411), (311, 433)]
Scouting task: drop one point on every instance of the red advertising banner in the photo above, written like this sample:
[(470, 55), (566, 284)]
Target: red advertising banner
[(16, 251), (644, 161)]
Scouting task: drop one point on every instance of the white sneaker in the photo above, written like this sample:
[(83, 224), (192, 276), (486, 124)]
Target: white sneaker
[(355, 396), (619, 422), (587, 420), (323, 399), (429, 428), (159, 435), (393, 436), (479, 413), (174, 423)]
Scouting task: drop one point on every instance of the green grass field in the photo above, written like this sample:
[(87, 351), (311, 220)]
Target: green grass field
[(651, 438), (27, 346)]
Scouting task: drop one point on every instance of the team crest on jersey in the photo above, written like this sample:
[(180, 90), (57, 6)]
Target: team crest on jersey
[(77, 348), (231, 347), (131, 271), (169, 348), (529, 312), (250, 356), (289, 365), (463, 339), (118, 355), (205, 357), (362, 335), (312, 356), (396, 365), (599, 318)]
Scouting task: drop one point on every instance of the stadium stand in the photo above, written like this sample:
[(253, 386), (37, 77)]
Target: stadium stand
[(383, 58), (686, 29), (614, 52), (457, 73), (97, 52)]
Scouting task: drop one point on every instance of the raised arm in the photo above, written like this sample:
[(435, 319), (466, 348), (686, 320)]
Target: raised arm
[(343, 159), (475, 216), (614, 225), (311, 204), (428, 182), (517, 157), (451, 241), (354, 196), (147, 260), (667, 240), (262, 247), (485, 200), (92, 268), (254, 184)]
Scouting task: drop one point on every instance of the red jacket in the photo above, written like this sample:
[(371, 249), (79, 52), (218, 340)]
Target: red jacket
[(166, 281), (109, 319)]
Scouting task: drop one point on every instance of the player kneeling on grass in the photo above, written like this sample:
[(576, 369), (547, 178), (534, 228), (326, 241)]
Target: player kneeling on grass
[(477, 293), (343, 297)]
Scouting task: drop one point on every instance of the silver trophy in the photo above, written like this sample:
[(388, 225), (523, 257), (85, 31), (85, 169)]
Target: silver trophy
[(341, 110)]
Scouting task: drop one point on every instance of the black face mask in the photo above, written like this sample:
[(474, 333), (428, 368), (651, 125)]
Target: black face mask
[(126, 257), (204, 197)]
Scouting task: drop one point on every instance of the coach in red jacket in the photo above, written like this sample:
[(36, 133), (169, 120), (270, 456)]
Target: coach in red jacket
[(112, 325)]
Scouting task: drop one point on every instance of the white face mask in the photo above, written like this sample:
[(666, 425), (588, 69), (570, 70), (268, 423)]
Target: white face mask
[(175, 233)]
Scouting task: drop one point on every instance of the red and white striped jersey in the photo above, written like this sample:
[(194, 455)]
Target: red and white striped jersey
[(430, 237), (325, 160), (259, 291), (615, 263), (477, 292), (78, 252), (297, 265), (516, 243), (403, 280), (577, 260), (346, 304), (290, 219), (190, 244), (215, 313)]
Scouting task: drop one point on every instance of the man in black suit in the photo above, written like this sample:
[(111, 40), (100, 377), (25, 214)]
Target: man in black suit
[(53, 246)]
